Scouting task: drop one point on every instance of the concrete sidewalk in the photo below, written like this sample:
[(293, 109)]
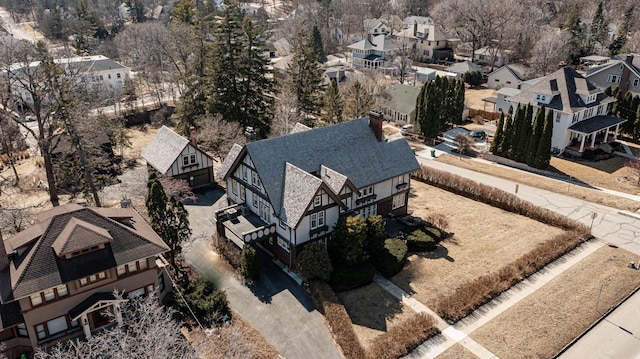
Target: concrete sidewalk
[(459, 332)]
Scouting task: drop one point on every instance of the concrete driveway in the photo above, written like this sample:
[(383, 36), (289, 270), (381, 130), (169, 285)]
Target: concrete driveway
[(275, 305)]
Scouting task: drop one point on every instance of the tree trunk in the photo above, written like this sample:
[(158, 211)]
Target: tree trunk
[(88, 176), (48, 166)]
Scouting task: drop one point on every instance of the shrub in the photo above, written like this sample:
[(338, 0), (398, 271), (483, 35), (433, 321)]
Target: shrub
[(376, 234), (350, 240), (389, 261), (419, 241), (205, 300), (438, 220), (588, 154), (314, 262), (337, 320), (345, 277), (403, 338), (249, 265)]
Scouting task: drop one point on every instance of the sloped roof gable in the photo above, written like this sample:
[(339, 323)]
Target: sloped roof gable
[(78, 235)]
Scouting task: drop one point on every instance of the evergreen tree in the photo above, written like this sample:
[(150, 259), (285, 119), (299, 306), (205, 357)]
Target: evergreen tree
[(317, 44), (623, 110), (543, 153), (459, 103), (633, 115), (439, 103), (305, 77), (524, 135), (156, 203), (498, 136), (358, 101), (183, 12), (505, 143), (351, 236), (333, 104), (376, 235), (623, 32), (599, 31), (574, 25), (538, 127)]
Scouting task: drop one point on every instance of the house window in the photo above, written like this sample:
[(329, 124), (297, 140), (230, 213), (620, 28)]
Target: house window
[(635, 82), (576, 116), (283, 244), (600, 110), (93, 278), (52, 327), (255, 181), (245, 173), (398, 201), (234, 187), (62, 291), (185, 160), (255, 201), (161, 283), (136, 293), (317, 220), (109, 76), (621, 67), (36, 299), (400, 179), (537, 97), (508, 82), (40, 332), (193, 158), (437, 43), (366, 191), (131, 267), (22, 330), (118, 75), (242, 193), (101, 78), (49, 295), (283, 225), (317, 200), (614, 79), (497, 80), (558, 115)]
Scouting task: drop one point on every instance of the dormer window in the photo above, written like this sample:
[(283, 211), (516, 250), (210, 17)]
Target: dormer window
[(317, 200)]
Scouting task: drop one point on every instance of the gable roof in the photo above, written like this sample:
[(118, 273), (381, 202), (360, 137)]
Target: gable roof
[(613, 63), (299, 189), (77, 235), (518, 70), (234, 152), (565, 85), (299, 127), (37, 267), (349, 148), (403, 98), (464, 67), (164, 149), (378, 43)]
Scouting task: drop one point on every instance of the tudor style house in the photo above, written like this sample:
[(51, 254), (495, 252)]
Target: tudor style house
[(57, 277), (580, 110), (172, 155), (287, 191)]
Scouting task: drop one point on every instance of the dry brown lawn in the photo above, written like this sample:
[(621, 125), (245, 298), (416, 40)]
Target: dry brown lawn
[(457, 352), (582, 173), (544, 322), (373, 311), (473, 98), (484, 239)]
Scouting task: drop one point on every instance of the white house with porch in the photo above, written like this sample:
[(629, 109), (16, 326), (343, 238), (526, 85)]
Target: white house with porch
[(580, 110), (288, 191), (373, 52)]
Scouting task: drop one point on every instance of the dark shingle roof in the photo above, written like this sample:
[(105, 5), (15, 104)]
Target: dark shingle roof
[(228, 161), (596, 123), (349, 148), (566, 86), (39, 267)]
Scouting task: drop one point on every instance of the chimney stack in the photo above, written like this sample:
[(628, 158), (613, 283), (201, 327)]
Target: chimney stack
[(625, 77), (629, 59), (415, 28), (192, 135), (249, 134), (4, 258), (375, 122)]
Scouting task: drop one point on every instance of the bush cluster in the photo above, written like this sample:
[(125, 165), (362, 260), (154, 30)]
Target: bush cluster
[(350, 276), (337, 320), (419, 241), (205, 300), (249, 265), (399, 340), (390, 259), (314, 262)]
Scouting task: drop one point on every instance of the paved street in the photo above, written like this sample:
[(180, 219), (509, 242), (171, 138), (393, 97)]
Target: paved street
[(278, 307)]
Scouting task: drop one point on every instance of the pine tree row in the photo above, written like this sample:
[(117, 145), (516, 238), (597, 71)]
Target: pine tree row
[(627, 107), (440, 102), (520, 139)]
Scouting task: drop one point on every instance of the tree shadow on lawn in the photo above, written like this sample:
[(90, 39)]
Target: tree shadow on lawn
[(440, 252), (371, 306)]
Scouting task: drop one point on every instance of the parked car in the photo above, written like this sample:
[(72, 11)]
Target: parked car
[(406, 129), (478, 135)]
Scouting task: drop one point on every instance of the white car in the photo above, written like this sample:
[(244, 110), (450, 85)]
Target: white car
[(406, 129)]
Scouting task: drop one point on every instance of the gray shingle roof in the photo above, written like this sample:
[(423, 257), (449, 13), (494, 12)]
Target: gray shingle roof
[(378, 43), (403, 98), (299, 128), (299, 189), (39, 268), (164, 149), (565, 85), (464, 67), (350, 148), (335, 180), (77, 235), (228, 161)]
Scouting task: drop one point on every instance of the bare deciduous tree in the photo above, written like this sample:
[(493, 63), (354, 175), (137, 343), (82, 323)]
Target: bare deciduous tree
[(218, 136), (550, 50)]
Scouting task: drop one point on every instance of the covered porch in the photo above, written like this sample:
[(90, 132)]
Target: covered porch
[(90, 313), (593, 131), (242, 226), (369, 62)]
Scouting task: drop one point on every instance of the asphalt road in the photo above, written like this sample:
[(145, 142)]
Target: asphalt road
[(275, 305)]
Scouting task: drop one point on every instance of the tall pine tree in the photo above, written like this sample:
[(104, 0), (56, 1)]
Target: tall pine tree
[(305, 77), (543, 153), (538, 127), (498, 136), (333, 104)]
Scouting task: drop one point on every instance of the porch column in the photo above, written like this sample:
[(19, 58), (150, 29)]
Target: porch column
[(615, 135), (116, 309), (85, 326), (606, 136), (584, 137), (593, 140)]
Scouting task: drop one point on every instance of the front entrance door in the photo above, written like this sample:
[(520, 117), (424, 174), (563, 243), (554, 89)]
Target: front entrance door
[(100, 317)]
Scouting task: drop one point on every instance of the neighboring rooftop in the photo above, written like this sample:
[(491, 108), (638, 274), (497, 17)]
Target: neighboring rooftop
[(163, 150)]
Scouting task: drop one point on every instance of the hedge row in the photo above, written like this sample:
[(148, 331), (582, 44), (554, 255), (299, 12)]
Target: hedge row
[(496, 198), (401, 339), (390, 259), (474, 294), (337, 320)]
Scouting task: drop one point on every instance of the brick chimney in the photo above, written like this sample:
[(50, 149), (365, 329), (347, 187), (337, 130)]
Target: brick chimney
[(625, 78), (4, 258), (375, 122), (249, 134), (415, 28), (192, 136)]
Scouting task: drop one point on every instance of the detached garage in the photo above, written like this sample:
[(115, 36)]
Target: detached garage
[(172, 155)]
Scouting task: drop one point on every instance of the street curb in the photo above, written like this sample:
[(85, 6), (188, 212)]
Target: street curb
[(602, 318), (629, 214)]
